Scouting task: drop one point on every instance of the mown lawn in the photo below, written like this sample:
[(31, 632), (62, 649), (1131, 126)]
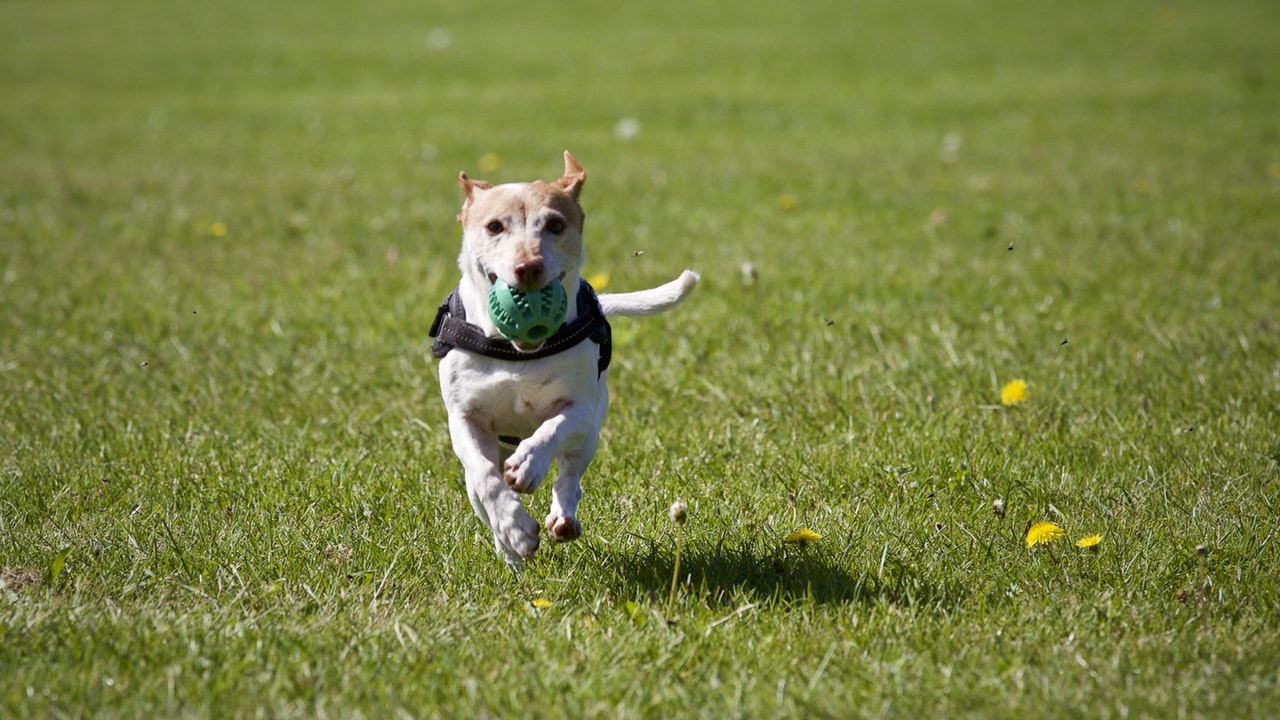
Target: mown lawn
[(227, 487)]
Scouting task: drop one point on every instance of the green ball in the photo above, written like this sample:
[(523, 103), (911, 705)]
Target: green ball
[(527, 316)]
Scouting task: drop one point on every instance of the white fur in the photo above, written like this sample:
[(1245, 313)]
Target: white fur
[(555, 404), (651, 301)]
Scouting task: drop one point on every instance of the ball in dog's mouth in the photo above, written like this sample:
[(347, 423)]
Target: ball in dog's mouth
[(527, 317)]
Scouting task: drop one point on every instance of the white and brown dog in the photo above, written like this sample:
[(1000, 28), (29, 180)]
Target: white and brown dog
[(514, 408)]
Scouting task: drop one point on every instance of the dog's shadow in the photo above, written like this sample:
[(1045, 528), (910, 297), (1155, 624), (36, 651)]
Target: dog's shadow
[(732, 573)]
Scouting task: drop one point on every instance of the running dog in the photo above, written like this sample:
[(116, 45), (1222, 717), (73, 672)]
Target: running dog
[(514, 407)]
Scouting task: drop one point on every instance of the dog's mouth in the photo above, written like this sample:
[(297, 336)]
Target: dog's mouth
[(493, 278)]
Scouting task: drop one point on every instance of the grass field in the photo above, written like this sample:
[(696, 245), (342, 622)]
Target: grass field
[(227, 486)]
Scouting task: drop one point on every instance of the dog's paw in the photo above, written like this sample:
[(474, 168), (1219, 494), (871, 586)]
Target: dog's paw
[(563, 529), (517, 540), (524, 471)]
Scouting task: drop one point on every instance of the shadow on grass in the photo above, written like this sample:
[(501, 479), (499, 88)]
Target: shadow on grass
[(731, 573)]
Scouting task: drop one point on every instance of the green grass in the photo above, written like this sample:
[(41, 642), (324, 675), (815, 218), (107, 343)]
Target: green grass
[(238, 442)]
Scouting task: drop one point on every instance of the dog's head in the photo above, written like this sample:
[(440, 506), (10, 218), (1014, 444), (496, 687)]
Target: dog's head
[(527, 234)]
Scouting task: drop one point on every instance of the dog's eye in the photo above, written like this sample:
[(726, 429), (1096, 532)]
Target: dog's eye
[(494, 227), (555, 226)]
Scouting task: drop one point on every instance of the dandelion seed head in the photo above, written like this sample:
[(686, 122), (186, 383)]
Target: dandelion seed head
[(951, 143), (627, 128), (439, 38), (679, 512)]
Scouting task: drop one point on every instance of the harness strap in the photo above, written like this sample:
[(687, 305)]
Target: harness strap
[(451, 330)]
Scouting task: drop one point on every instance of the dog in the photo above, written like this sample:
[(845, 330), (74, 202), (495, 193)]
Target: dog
[(515, 407)]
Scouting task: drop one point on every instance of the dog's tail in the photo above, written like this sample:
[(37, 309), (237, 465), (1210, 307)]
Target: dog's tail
[(651, 301)]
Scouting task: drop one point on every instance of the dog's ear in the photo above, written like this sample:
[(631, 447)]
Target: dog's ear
[(573, 178), (469, 187)]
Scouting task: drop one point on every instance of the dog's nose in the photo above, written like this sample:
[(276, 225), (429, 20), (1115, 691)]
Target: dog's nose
[(529, 273)]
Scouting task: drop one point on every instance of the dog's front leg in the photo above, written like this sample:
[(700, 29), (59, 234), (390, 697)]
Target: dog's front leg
[(570, 436), (515, 533), (562, 521), (567, 428)]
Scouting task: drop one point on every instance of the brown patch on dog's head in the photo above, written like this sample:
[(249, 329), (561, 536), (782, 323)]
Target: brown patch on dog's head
[(570, 183), (554, 196)]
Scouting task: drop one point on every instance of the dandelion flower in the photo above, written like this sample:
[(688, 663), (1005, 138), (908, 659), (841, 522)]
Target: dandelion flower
[(1089, 541), (540, 603), (788, 202), (1013, 393), (218, 229), (490, 162), (1043, 533), (679, 512), (802, 537), (598, 280)]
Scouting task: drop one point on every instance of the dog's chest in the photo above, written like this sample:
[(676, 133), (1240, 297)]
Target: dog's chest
[(515, 398)]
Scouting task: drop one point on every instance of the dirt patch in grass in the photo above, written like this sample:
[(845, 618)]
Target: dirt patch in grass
[(20, 578)]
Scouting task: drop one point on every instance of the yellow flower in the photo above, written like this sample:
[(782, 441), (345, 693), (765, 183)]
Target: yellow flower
[(1089, 541), (788, 202), (540, 603), (802, 537), (218, 229), (1043, 533), (1013, 393), (598, 280), (490, 162)]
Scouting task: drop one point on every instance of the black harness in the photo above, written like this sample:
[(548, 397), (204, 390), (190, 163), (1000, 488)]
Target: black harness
[(451, 330)]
